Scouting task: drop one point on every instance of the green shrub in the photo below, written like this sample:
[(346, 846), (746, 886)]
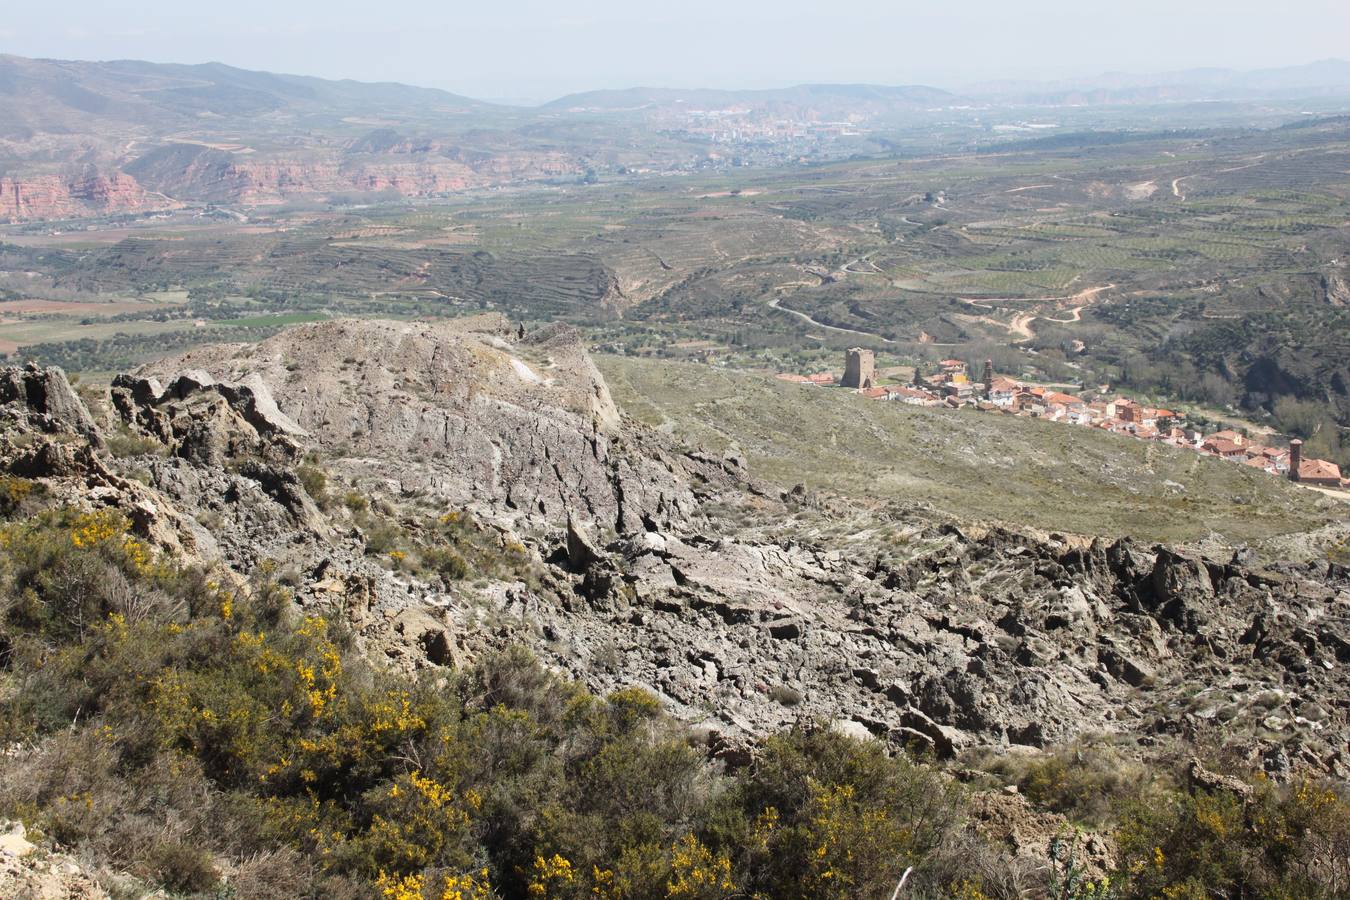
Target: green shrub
[(446, 563), (1281, 841), (315, 482), (125, 443), (189, 730)]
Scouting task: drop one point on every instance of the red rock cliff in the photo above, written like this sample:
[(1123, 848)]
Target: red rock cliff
[(29, 198)]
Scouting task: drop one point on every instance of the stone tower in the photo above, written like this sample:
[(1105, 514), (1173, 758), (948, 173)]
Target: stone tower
[(860, 367), (988, 378), (1295, 458)]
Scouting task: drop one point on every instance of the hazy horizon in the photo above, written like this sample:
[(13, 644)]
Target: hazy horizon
[(537, 51)]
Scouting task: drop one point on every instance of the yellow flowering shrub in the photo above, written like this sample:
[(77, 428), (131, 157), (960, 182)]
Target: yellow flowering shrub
[(552, 877), (697, 873), (466, 886), (172, 721), (1280, 841)]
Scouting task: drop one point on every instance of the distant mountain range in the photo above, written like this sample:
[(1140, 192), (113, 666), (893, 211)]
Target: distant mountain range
[(44, 95), (1328, 76), (84, 138), (840, 100)]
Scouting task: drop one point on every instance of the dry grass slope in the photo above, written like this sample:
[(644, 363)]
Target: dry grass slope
[(972, 465)]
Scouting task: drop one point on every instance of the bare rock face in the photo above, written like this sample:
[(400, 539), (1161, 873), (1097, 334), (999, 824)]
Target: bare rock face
[(46, 399), (206, 420), (1047, 641), (90, 192), (48, 435), (28, 872), (370, 165), (454, 409)]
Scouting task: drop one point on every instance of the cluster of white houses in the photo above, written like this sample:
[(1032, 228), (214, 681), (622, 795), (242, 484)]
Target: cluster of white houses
[(951, 386)]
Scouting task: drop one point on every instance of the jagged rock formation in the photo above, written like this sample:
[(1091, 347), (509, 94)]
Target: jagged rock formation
[(454, 410), (996, 639), (743, 607), (45, 400), (206, 421)]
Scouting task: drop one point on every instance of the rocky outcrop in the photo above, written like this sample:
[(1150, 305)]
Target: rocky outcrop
[(1046, 642), (68, 196), (45, 399), (642, 563), (208, 421), (1043, 843), (454, 410), (28, 871), (50, 437)]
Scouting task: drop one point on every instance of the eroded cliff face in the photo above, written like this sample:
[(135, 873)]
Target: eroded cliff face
[(637, 562), (89, 193), (174, 174)]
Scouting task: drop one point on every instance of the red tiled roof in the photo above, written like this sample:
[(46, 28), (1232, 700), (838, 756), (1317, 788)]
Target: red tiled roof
[(1220, 446), (1320, 469)]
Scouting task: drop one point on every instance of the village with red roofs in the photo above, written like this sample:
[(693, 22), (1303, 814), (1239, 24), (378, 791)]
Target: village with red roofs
[(952, 387)]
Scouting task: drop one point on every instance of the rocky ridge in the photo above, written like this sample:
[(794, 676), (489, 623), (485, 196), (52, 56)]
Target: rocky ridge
[(742, 606)]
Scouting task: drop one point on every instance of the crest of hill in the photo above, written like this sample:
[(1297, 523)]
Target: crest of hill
[(465, 410), (342, 374), (60, 96)]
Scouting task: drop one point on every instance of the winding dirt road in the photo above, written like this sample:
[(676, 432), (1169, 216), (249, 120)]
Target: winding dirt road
[(773, 304), (1021, 322)]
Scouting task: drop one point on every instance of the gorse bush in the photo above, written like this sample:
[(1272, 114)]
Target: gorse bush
[(205, 734), (1280, 841), (185, 728)]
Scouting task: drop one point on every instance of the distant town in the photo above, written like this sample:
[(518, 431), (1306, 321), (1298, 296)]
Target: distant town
[(951, 386)]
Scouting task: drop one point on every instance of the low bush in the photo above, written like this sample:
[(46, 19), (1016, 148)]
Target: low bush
[(125, 443), (202, 734)]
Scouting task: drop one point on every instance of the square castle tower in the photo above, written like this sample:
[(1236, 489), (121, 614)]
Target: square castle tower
[(860, 366)]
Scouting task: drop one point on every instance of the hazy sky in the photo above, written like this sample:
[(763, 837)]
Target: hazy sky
[(545, 48)]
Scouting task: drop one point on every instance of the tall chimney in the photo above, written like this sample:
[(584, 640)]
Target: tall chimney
[(1295, 458), (988, 378)]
